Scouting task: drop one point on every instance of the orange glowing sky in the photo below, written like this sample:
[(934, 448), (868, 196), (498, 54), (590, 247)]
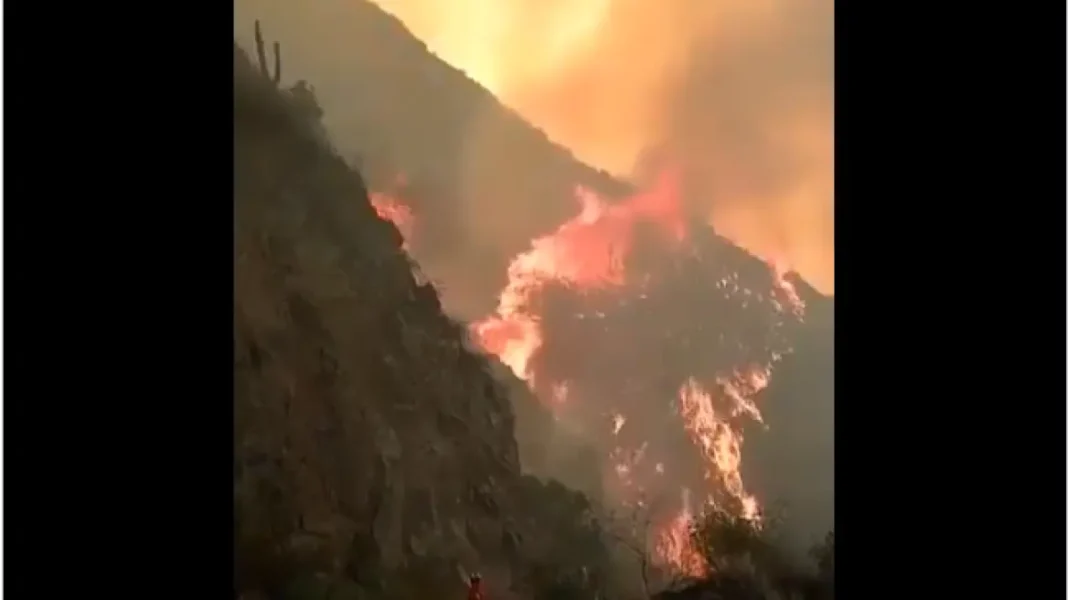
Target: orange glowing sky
[(740, 91)]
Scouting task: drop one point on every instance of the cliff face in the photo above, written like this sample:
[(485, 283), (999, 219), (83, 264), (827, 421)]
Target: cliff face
[(369, 441)]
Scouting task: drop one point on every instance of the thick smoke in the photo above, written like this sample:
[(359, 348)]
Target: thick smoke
[(739, 91)]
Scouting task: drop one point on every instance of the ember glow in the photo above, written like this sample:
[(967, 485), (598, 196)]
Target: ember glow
[(584, 253), (396, 212), (673, 543), (589, 310), (588, 318)]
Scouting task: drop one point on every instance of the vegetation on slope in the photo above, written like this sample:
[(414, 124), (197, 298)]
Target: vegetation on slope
[(748, 563)]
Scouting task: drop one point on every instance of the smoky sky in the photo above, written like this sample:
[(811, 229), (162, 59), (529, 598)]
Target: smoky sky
[(740, 92)]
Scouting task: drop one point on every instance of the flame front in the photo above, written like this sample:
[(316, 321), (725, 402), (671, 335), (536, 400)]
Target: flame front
[(590, 309), (590, 313), (586, 252), (674, 546), (586, 310)]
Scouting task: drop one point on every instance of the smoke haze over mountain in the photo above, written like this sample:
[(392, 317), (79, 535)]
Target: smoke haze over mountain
[(739, 91)]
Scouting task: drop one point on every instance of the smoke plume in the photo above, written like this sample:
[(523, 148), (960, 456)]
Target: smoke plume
[(738, 91)]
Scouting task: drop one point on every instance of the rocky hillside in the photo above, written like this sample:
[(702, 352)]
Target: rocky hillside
[(374, 454)]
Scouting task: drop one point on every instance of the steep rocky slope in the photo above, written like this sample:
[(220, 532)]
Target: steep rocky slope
[(374, 454)]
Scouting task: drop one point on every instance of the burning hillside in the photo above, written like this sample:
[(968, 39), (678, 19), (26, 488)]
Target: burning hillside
[(637, 327)]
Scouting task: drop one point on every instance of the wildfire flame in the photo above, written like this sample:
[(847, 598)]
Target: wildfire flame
[(591, 258), (674, 545), (396, 212), (586, 252), (590, 253)]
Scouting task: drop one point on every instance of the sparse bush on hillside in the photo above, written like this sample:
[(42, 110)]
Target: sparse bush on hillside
[(823, 554), (746, 562), (731, 543), (570, 559), (632, 532)]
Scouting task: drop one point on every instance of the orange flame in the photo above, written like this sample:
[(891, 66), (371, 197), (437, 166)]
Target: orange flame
[(720, 443), (586, 251), (396, 212), (674, 545), (589, 252)]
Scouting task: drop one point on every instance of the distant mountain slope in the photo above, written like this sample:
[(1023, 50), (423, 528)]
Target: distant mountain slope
[(403, 111)]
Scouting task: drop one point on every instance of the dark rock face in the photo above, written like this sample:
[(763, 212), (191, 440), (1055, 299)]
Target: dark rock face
[(369, 440)]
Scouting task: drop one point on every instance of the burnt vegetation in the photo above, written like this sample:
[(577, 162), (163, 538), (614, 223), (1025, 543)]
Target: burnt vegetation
[(375, 452)]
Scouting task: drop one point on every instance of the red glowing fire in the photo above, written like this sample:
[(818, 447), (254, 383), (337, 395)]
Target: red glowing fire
[(590, 309), (396, 212)]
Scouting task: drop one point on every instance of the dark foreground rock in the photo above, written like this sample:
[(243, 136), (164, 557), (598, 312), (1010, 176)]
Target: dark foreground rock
[(375, 455)]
